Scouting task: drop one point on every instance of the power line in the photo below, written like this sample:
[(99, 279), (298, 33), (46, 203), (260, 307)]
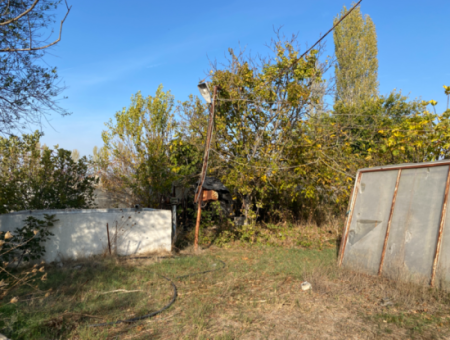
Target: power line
[(331, 29)]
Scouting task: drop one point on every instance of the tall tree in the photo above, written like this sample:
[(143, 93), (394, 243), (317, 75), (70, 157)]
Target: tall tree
[(28, 91), (133, 165), (356, 51)]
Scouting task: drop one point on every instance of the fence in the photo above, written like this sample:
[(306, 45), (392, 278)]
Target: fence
[(397, 224), (80, 233)]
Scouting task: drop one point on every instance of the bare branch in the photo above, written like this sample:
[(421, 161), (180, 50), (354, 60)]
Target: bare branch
[(9, 49), (6, 9), (20, 15)]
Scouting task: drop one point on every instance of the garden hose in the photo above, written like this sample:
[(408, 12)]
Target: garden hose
[(172, 301)]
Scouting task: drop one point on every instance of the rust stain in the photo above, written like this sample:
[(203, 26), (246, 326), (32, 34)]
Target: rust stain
[(441, 230), (349, 219), (388, 228)]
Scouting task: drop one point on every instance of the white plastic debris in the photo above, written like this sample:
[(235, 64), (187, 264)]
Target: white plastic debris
[(306, 285)]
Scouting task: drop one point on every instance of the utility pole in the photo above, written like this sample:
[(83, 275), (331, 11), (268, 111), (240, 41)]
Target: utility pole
[(199, 195)]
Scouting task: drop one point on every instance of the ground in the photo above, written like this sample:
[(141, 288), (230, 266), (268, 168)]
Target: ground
[(257, 295)]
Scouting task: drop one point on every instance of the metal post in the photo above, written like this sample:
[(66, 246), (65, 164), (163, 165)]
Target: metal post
[(198, 196)]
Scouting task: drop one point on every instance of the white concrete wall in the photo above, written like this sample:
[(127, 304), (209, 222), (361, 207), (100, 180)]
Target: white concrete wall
[(80, 233)]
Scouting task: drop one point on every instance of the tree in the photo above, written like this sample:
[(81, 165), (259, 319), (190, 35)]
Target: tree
[(28, 90), (34, 177), (356, 51), (133, 164), (261, 109)]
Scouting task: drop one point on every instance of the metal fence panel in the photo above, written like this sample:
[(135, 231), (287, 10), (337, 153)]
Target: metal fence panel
[(369, 221), (415, 222), (399, 226)]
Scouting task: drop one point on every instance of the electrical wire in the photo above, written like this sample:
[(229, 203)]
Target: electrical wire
[(331, 29)]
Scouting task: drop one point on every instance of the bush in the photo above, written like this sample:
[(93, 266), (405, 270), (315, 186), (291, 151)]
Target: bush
[(26, 244), (34, 177)]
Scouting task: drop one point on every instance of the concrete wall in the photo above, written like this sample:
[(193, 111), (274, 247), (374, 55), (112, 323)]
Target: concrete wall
[(80, 233)]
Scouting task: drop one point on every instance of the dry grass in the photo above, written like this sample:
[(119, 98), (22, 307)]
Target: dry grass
[(257, 296)]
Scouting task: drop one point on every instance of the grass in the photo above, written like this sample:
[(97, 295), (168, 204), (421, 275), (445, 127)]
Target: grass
[(257, 296)]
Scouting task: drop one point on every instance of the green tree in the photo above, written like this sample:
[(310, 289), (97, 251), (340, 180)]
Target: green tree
[(133, 164), (356, 51), (261, 109), (34, 177)]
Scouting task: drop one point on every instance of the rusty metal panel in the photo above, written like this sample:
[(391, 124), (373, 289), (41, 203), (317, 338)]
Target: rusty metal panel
[(369, 221), (415, 223)]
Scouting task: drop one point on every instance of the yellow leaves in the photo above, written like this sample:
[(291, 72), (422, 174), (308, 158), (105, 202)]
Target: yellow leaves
[(368, 158), (433, 102), (264, 178), (447, 90)]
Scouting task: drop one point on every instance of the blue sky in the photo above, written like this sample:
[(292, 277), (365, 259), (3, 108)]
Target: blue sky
[(110, 50)]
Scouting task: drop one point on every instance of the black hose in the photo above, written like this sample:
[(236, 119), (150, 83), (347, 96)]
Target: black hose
[(172, 301), (174, 297)]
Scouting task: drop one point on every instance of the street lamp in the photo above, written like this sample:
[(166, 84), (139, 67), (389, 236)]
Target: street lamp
[(204, 91)]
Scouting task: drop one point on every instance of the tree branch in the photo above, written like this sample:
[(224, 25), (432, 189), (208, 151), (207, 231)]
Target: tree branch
[(21, 15), (9, 49)]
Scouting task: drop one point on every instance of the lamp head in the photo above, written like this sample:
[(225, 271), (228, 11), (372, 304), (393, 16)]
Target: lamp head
[(204, 91)]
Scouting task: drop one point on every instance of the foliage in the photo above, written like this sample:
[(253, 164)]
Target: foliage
[(34, 177), (280, 150), (356, 51), (28, 91), (260, 111), (134, 162), (25, 244), (28, 240)]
